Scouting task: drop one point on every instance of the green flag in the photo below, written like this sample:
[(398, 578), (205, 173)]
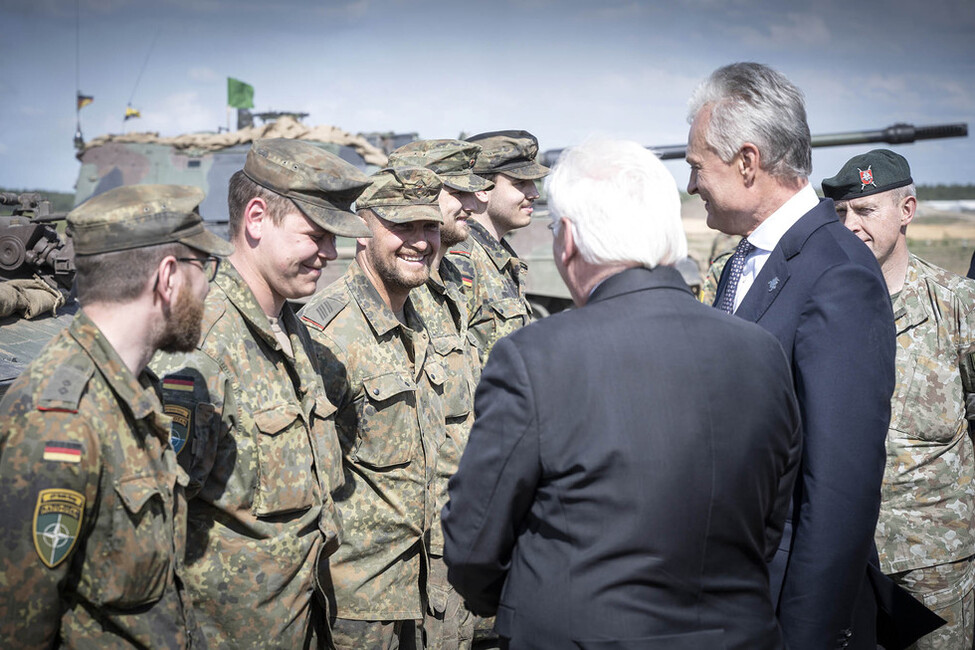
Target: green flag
[(239, 94)]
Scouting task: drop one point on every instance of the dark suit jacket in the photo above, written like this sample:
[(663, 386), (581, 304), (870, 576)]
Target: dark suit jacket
[(627, 476), (822, 295), (971, 268)]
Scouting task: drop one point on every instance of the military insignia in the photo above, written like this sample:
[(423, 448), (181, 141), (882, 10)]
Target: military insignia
[(467, 280), (774, 282), (62, 452), (179, 430), (57, 520), (866, 177), (181, 383)]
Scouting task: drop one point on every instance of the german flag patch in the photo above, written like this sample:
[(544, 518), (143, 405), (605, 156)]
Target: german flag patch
[(62, 452), (178, 382)]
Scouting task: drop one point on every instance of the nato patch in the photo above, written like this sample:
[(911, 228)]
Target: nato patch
[(57, 520), (179, 431)]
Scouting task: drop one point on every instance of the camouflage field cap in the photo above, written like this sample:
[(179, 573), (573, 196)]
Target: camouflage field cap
[(869, 173), (452, 160), (511, 153), (402, 194), (322, 185), (134, 216)]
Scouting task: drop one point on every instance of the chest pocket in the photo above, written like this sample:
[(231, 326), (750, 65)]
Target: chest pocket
[(509, 308), (928, 400), (458, 398), (133, 565), (286, 480), (388, 431)]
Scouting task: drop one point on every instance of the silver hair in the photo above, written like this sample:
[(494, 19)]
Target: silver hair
[(751, 102), (622, 203)]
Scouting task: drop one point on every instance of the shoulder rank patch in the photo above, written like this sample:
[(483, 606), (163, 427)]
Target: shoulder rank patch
[(57, 521), (63, 452), (64, 387), (323, 313)]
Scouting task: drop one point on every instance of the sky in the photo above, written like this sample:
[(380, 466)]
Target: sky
[(563, 69)]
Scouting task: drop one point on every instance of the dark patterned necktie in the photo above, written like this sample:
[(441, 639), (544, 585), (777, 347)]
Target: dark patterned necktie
[(737, 263)]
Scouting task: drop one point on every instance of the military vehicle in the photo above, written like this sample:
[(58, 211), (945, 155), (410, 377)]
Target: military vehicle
[(207, 160)]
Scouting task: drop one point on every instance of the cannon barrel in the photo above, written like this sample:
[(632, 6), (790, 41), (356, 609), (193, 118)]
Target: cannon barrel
[(899, 133)]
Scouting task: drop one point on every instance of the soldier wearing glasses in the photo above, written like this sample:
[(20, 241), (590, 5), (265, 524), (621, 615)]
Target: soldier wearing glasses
[(92, 505)]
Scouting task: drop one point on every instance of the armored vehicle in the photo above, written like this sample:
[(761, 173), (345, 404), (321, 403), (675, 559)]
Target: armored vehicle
[(30, 241)]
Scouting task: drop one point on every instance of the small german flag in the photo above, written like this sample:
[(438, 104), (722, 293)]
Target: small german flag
[(84, 100), (64, 452), (178, 382)]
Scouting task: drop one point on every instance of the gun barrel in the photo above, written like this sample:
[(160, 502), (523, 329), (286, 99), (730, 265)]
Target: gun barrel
[(899, 133)]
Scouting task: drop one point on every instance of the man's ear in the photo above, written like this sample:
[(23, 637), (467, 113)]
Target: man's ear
[(569, 249), (749, 162), (255, 218), (908, 207), (166, 279), (482, 195)]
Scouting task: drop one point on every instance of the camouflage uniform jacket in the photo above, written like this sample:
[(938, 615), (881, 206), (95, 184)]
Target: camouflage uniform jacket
[(84, 452), (927, 512), (443, 308), (494, 278), (387, 385), (262, 453)]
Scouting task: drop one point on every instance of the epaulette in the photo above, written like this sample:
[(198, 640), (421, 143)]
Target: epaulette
[(463, 248), (321, 314), (62, 389)]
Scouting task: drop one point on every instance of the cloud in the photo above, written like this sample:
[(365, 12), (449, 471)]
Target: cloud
[(203, 74), (795, 29)]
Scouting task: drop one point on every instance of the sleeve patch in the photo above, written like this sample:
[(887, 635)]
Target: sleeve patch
[(57, 521), (63, 452)]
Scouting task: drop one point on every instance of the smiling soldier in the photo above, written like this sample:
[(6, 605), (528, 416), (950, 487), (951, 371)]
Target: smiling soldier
[(261, 449), (383, 375), (492, 270)]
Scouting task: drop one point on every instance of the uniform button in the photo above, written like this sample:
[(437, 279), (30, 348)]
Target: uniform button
[(375, 391)]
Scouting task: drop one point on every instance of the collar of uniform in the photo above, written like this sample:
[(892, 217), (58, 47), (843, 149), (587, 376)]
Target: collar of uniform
[(499, 251), (138, 394), (240, 295), (909, 304), (380, 317)]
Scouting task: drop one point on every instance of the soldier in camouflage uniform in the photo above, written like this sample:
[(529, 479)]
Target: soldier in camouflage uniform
[(492, 273), (383, 374), (92, 504), (256, 431), (443, 308), (926, 531)]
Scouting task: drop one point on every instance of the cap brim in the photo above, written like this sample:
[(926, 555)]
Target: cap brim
[(208, 242), (466, 182), (338, 222), (529, 171), (407, 213)]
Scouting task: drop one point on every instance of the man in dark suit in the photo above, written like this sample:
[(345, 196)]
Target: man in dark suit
[(802, 276), (631, 461)]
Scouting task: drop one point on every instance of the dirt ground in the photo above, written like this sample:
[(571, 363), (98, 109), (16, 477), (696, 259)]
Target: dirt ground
[(943, 238)]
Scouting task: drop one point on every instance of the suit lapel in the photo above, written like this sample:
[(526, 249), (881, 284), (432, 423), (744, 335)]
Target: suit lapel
[(775, 274)]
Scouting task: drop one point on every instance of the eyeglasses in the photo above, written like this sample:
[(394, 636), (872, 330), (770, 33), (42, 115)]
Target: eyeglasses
[(209, 264)]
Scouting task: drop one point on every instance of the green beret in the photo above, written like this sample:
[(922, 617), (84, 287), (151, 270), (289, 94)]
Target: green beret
[(402, 194), (511, 153), (322, 185), (869, 173), (452, 160), (135, 216)]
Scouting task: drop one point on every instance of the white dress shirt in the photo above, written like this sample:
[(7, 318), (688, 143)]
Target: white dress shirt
[(766, 237)]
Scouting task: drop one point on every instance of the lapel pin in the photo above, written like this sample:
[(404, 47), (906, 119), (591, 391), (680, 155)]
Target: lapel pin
[(774, 282)]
